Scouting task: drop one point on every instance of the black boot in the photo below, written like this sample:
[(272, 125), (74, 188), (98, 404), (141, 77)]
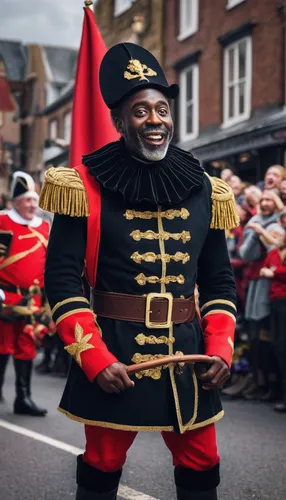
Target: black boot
[(280, 406), (3, 363), (44, 367), (23, 404), (94, 484), (197, 485), (273, 395)]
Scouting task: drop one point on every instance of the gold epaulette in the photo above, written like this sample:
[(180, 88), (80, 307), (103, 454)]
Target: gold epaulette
[(64, 193), (224, 214)]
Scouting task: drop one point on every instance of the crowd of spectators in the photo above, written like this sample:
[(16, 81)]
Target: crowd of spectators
[(257, 250)]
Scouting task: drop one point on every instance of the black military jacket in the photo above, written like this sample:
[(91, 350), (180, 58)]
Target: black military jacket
[(145, 248)]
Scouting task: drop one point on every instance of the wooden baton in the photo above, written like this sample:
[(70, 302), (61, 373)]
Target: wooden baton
[(186, 358)]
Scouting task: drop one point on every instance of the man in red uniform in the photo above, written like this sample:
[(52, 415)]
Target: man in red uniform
[(23, 243)]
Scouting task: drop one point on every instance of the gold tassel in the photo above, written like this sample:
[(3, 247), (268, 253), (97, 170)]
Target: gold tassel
[(224, 214), (64, 193)]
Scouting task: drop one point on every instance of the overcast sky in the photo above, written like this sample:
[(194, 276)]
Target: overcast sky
[(53, 22)]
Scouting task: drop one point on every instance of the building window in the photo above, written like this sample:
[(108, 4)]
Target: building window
[(67, 127), (121, 6), (189, 103), (53, 130), (189, 18), (237, 81), (233, 3)]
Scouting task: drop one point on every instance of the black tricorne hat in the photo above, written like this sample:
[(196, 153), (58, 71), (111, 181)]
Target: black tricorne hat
[(126, 68)]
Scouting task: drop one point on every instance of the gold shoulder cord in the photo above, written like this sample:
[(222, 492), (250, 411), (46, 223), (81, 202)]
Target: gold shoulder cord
[(64, 193), (224, 214)]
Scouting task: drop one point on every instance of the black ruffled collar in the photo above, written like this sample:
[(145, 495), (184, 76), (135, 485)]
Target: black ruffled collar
[(165, 182)]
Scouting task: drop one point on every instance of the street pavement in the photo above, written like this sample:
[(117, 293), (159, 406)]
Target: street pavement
[(252, 442)]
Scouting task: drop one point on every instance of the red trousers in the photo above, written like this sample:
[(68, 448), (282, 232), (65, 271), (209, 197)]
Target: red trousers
[(18, 339), (106, 449)]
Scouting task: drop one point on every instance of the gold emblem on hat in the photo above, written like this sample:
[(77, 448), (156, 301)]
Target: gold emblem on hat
[(140, 71)]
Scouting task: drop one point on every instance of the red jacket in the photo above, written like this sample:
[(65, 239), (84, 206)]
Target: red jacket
[(24, 262), (278, 284)]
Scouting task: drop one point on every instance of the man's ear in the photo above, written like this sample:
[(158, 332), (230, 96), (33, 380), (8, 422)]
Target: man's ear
[(119, 126)]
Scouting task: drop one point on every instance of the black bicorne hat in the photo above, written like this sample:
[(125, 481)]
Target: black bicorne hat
[(126, 68), (22, 185)]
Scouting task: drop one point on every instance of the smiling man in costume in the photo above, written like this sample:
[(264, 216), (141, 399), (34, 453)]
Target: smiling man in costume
[(144, 223), (23, 245)]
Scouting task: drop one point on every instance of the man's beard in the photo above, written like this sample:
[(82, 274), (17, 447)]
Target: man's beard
[(157, 153), (266, 212), (152, 155)]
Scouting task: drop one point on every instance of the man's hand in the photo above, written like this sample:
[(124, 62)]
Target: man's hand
[(266, 272), (256, 227), (216, 376), (114, 378)]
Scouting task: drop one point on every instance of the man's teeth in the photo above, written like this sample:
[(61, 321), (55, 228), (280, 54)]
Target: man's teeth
[(154, 137)]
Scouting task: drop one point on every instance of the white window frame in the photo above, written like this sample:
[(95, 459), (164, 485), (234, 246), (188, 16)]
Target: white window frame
[(67, 129), (233, 3), (53, 129), (188, 28), (237, 118), (184, 135), (121, 6)]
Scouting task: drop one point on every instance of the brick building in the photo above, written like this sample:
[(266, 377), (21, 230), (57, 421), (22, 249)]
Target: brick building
[(137, 21), (229, 58), (58, 131), (37, 76)]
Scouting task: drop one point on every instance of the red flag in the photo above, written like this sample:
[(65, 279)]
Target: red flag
[(92, 127)]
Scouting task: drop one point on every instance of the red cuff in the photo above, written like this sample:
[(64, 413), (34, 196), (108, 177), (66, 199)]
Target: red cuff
[(219, 331), (40, 331), (83, 341)]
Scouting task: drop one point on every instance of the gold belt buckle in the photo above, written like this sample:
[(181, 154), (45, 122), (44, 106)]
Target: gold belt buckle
[(149, 298)]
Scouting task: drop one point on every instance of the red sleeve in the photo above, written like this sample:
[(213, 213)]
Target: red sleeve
[(280, 273), (78, 330), (269, 259), (238, 263), (219, 330)]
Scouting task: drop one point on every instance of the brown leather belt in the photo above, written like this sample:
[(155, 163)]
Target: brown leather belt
[(156, 310)]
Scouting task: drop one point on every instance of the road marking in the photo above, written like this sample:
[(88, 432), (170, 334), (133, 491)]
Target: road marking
[(40, 437), (124, 491), (130, 494)]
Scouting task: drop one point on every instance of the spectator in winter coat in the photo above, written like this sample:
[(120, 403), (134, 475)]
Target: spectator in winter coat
[(234, 241), (254, 250), (275, 269)]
